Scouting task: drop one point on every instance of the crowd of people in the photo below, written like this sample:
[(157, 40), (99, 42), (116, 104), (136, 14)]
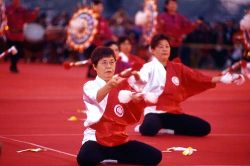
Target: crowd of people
[(114, 101), (198, 44)]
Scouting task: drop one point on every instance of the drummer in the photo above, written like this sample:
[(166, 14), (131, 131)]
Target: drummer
[(17, 16)]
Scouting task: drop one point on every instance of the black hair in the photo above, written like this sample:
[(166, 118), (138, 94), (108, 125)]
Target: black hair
[(96, 2), (167, 2), (156, 39), (110, 43), (101, 52), (122, 39)]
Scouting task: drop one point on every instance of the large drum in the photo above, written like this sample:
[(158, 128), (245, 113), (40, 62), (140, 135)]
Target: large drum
[(33, 32), (82, 29)]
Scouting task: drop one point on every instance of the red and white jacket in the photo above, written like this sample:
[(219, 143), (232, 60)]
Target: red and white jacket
[(107, 121), (172, 85)]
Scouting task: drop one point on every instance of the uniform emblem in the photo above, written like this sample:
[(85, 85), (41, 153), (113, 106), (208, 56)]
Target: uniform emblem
[(119, 111), (175, 80)]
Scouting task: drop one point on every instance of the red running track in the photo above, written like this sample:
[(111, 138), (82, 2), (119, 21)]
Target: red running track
[(36, 103)]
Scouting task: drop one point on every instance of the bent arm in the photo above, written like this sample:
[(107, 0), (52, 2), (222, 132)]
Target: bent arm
[(113, 82)]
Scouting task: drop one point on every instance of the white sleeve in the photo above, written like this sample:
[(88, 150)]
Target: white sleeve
[(90, 89), (93, 109), (144, 75)]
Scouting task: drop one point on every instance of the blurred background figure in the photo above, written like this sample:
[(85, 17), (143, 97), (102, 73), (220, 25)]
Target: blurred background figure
[(175, 26), (3, 26), (120, 65), (17, 16), (245, 27), (103, 34), (3, 19), (208, 45), (125, 46)]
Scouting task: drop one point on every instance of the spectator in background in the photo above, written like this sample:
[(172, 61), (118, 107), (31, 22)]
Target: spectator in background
[(103, 34), (125, 46), (120, 65), (17, 16), (175, 26), (118, 23), (220, 54)]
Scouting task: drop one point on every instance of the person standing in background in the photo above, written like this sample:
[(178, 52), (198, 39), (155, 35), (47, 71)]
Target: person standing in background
[(103, 34), (17, 17), (120, 65), (125, 46), (175, 26)]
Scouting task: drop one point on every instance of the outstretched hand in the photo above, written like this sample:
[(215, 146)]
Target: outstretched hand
[(115, 81), (230, 78)]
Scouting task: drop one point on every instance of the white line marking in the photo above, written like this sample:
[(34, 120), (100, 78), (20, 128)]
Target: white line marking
[(40, 135), (40, 146), (225, 135)]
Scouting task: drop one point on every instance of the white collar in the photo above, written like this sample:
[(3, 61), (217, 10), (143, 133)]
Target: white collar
[(155, 60), (100, 81)]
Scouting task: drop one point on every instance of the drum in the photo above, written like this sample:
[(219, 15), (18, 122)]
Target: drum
[(33, 32), (82, 29)]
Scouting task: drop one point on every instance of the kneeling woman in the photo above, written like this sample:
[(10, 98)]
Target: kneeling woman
[(108, 115)]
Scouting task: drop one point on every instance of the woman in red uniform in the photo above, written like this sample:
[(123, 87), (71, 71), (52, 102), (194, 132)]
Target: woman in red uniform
[(175, 26), (173, 83), (108, 115), (17, 16)]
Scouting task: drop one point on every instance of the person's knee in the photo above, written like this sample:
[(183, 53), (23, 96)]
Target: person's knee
[(86, 159), (148, 130), (206, 129), (154, 157), (157, 158), (83, 161)]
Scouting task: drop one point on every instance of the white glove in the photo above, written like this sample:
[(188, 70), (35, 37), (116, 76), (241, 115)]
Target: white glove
[(238, 79), (230, 78), (124, 96), (227, 78), (150, 97)]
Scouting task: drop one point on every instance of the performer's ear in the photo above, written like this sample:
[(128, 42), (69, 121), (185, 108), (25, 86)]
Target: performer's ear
[(94, 66)]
